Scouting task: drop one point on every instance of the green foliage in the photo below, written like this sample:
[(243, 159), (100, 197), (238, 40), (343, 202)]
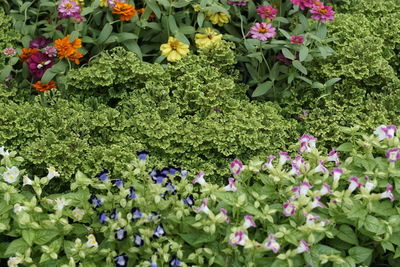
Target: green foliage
[(192, 114)]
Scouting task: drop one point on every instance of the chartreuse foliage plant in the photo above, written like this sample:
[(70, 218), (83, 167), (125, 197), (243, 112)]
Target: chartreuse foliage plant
[(311, 209), (275, 40)]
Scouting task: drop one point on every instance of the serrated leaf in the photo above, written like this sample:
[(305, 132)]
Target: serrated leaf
[(28, 236), (44, 236), (360, 254), (18, 245), (347, 234)]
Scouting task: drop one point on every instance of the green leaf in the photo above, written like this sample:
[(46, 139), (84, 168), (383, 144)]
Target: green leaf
[(262, 88), (181, 3), (332, 81), (172, 24), (44, 236), (56, 245), (182, 38), (197, 238), (200, 19), (303, 53), (299, 66), (123, 36), (28, 236), (288, 54), (133, 47), (360, 254), (86, 10), (374, 225), (285, 33), (186, 29), (346, 147), (227, 197), (154, 7), (48, 76), (73, 36), (317, 85), (274, 73), (18, 245), (5, 72), (105, 33), (347, 234)]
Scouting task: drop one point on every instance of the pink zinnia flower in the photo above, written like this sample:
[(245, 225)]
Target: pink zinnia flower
[(322, 13), (303, 3), (248, 222), (9, 52), (303, 246), (272, 244), (393, 154), (236, 167), (288, 209), (38, 63), (231, 186), (267, 12), (262, 31), (297, 39), (388, 193), (68, 9), (51, 51), (238, 238), (237, 3)]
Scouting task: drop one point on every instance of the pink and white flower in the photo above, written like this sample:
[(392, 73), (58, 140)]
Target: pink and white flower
[(326, 189), (384, 131), (268, 164), (304, 187), (225, 213), (307, 143), (337, 172), (317, 203), (199, 178), (321, 168), (311, 219), (249, 222), (231, 186), (203, 207), (272, 244), (334, 156), (283, 157), (236, 167), (297, 164), (388, 193), (267, 12), (302, 3), (303, 246), (289, 209), (354, 183), (238, 238), (393, 154), (369, 186)]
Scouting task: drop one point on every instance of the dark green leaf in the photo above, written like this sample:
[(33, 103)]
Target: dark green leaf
[(288, 54), (360, 254), (17, 245), (346, 147), (332, 81), (299, 66), (44, 236), (5, 72), (347, 234), (105, 33), (262, 88), (154, 6), (303, 53)]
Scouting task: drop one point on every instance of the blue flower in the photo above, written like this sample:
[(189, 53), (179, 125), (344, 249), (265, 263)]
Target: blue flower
[(171, 188), (153, 215), (120, 234), (159, 231), (139, 242), (165, 171), (114, 214), (103, 175), (96, 202), (103, 218), (184, 173), (121, 260), (189, 200), (136, 214), (132, 194), (175, 262), (152, 264), (118, 183), (159, 177), (142, 155), (173, 170)]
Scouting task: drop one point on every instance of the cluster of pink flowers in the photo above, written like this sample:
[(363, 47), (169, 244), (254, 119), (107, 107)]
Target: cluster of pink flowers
[(264, 31), (318, 9), (70, 9)]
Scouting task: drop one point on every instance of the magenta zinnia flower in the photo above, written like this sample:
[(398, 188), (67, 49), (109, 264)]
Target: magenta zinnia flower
[(68, 9), (39, 42), (303, 3), (322, 13), (237, 3), (297, 39), (267, 12), (262, 31), (38, 63)]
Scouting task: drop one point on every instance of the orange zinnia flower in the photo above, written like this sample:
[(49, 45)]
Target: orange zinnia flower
[(69, 50), (27, 53), (44, 87), (126, 11)]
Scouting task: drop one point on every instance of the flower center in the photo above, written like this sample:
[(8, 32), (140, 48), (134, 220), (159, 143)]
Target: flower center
[(267, 11), (262, 29), (174, 45), (323, 10), (68, 5)]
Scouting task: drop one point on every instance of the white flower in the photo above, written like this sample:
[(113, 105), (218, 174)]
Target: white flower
[(52, 173), (78, 214), (18, 208), (4, 152), (26, 180), (11, 175), (61, 203), (14, 261), (91, 241)]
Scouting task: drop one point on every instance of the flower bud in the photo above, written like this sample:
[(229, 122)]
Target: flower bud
[(82, 254), (256, 204), (53, 255), (123, 202), (38, 209)]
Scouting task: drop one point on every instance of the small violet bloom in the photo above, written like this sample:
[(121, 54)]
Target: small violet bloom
[(96, 202), (175, 261), (132, 194), (337, 172), (225, 213), (354, 183), (297, 39), (268, 164), (272, 244), (231, 186), (303, 246), (388, 193), (304, 187), (39, 42), (171, 188), (159, 231), (50, 51), (334, 156), (262, 31), (317, 203), (237, 3), (103, 175), (142, 155), (267, 12), (236, 167), (121, 260), (199, 178), (118, 183), (203, 207), (238, 238), (384, 131), (189, 200), (321, 168), (393, 154), (120, 234), (136, 214), (114, 214), (138, 240), (288, 209), (249, 222), (283, 157), (326, 189), (103, 218), (297, 164), (307, 142)]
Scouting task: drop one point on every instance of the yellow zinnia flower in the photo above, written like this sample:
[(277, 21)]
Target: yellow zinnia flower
[(209, 39), (103, 3), (219, 18), (174, 50)]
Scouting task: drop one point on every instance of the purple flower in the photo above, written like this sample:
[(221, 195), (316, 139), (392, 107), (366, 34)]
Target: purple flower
[(336, 172), (317, 203), (138, 240), (326, 189), (225, 213), (184, 173), (51, 51), (268, 164), (334, 156), (136, 214), (171, 188), (39, 42), (142, 155), (9, 52), (158, 177), (384, 131), (38, 63), (310, 219), (159, 231), (114, 214), (354, 183), (96, 202), (388, 193), (297, 39), (249, 222), (102, 218), (304, 187), (231, 186), (153, 216), (174, 261), (165, 171), (272, 244), (132, 194), (238, 238), (321, 167), (236, 167), (237, 3), (280, 57), (189, 200), (68, 9), (111, 3), (393, 154), (120, 234), (297, 164), (288, 209), (103, 175), (283, 157), (303, 246), (121, 260), (173, 170), (267, 12), (262, 31), (307, 142), (118, 183), (203, 207), (368, 185), (199, 178)]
